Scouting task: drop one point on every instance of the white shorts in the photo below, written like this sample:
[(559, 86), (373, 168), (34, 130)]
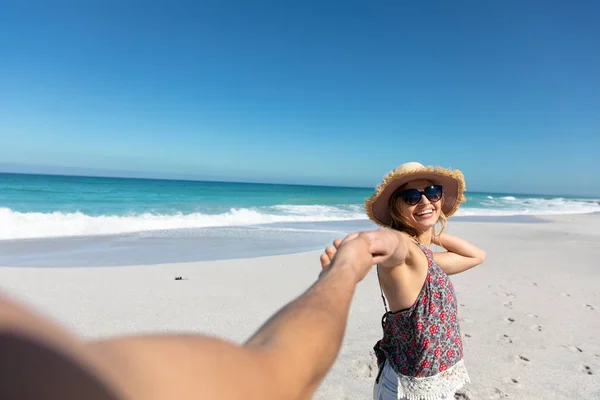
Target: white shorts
[(387, 386)]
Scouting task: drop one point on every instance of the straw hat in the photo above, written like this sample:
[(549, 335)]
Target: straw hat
[(452, 181)]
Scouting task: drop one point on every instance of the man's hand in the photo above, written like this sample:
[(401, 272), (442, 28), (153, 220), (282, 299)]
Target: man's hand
[(286, 358), (352, 253), (385, 246)]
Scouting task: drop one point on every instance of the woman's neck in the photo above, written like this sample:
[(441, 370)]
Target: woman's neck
[(425, 237)]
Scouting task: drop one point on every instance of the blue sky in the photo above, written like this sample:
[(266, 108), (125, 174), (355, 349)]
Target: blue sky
[(317, 92)]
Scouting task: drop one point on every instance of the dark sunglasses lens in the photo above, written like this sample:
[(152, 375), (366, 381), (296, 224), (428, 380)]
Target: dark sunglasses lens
[(411, 197), (433, 193)]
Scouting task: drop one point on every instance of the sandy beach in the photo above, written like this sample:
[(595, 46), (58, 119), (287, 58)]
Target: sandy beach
[(530, 315)]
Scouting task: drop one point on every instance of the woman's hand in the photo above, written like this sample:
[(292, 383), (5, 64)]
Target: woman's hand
[(388, 247), (329, 254)]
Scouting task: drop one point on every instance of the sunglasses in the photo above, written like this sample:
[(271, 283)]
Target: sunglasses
[(412, 197)]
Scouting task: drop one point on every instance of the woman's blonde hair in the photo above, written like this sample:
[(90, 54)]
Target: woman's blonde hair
[(400, 223)]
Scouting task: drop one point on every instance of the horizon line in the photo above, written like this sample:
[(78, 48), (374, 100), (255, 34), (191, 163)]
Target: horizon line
[(192, 179), (181, 179)]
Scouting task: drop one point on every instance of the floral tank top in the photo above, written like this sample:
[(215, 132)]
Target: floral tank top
[(423, 344)]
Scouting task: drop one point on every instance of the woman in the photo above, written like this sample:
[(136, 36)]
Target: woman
[(420, 354)]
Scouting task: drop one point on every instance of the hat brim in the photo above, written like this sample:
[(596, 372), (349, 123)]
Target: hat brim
[(377, 206)]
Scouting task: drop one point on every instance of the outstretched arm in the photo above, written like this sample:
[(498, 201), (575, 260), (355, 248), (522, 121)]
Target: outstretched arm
[(286, 359), (460, 255), (288, 356)]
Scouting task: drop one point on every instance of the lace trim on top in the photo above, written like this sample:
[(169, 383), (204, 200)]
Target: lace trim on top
[(433, 387)]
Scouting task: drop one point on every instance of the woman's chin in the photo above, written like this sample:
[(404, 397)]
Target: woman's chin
[(423, 226)]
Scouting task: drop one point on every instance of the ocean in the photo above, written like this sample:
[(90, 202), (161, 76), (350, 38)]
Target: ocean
[(69, 220)]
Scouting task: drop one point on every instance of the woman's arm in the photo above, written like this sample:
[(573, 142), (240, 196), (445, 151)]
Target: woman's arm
[(460, 255)]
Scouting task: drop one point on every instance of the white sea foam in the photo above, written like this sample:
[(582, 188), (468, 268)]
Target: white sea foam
[(17, 225), (511, 206)]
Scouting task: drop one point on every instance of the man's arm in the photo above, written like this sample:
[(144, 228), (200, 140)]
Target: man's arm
[(285, 359), (460, 255), (303, 339)]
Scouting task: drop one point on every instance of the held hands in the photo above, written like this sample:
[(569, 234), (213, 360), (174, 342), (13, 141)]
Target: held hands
[(352, 253), (360, 251)]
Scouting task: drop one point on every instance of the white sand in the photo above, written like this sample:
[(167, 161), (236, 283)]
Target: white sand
[(530, 314)]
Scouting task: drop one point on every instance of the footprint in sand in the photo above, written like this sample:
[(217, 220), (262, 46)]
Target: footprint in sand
[(532, 315), (522, 360), (589, 307), (504, 339), (499, 394), (511, 381), (586, 369), (363, 369), (510, 295), (462, 394), (366, 371), (508, 305), (536, 328), (510, 320), (575, 349), (534, 284), (565, 294)]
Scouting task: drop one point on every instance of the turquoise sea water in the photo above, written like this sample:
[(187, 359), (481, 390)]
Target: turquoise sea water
[(42, 206), (69, 221)]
